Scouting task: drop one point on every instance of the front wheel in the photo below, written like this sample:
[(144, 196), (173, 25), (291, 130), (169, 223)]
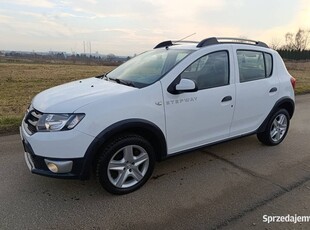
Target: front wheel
[(276, 129), (125, 164)]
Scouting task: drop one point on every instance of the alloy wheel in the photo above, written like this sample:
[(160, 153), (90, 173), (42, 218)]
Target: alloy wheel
[(128, 166), (278, 128)]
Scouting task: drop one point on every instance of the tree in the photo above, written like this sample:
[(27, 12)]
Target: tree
[(110, 57), (298, 41), (275, 43)]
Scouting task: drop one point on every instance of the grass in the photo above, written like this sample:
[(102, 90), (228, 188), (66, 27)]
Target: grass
[(301, 71), (20, 82)]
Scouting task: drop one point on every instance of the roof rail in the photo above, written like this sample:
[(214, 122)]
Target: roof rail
[(171, 43), (214, 41), (218, 40)]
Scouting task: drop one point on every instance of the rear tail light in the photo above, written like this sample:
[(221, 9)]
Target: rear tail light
[(293, 82)]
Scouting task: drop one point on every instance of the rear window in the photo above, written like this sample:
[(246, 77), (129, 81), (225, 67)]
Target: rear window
[(254, 65)]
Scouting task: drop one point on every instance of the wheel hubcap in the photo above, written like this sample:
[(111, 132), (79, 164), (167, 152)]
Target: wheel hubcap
[(278, 128), (128, 166)]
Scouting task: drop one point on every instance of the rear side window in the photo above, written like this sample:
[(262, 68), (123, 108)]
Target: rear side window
[(254, 65), (269, 64)]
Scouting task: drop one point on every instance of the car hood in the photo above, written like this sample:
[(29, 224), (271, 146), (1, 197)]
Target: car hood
[(69, 97)]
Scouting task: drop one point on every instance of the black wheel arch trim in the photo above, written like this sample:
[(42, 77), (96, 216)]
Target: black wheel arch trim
[(117, 128), (279, 104)]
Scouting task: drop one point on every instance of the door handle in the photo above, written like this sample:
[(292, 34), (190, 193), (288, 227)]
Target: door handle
[(274, 89), (227, 98)]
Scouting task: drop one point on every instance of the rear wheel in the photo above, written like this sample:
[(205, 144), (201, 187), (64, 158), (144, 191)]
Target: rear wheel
[(125, 164), (276, 129)]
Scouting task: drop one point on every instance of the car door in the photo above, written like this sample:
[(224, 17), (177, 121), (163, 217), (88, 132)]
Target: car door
[(197, 118), (256, 89)]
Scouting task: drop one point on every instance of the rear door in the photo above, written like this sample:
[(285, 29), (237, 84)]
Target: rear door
[(256, 89)]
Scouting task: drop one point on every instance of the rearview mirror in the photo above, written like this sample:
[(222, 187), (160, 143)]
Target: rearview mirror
[(186, 85)]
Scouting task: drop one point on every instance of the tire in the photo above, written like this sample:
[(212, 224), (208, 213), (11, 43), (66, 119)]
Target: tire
[(125, 164), (276, 129)]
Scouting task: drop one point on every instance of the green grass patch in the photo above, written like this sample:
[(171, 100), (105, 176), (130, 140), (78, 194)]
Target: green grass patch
[(10, 124)]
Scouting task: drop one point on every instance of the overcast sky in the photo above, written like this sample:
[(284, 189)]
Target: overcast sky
[(125, 27)]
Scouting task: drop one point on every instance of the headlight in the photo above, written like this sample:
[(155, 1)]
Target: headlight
[(58, 122)]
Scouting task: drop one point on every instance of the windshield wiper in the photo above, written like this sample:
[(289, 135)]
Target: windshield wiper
[(123, 82), (104, 76)]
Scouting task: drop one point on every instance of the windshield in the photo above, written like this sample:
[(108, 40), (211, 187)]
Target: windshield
[(147, 67)]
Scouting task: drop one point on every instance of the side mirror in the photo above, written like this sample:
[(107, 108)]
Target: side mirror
[(186, 85)]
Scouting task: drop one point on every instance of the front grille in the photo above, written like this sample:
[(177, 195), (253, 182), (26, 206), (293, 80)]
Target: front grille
[(31, 120)]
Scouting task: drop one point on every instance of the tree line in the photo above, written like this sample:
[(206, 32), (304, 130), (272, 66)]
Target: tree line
[(295, 47)]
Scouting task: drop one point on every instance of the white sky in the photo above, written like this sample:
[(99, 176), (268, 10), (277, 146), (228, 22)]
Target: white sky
[(125, 27)]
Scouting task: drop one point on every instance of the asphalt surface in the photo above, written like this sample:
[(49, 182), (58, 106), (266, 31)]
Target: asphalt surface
[(227, 186)]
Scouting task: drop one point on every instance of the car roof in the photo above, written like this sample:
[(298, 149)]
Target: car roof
[(185, 46)]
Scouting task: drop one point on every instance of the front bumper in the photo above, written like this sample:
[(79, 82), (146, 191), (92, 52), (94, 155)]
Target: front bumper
[(59, 148), (37, 164)]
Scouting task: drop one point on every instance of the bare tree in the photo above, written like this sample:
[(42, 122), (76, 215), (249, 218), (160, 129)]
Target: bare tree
[(298, 41), (275, 43)]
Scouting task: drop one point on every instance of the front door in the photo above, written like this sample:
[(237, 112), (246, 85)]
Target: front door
[(197, 118)]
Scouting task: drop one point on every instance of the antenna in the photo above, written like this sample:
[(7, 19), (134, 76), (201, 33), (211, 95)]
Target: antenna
[(89, 48), (186, 37)]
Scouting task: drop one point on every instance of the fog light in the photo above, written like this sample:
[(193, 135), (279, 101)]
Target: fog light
[(59, 166), (52, 167)]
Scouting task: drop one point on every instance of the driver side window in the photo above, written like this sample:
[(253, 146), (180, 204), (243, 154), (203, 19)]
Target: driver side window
[(211, 70)]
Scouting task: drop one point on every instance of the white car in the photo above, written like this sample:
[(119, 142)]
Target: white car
[(173, 99)]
